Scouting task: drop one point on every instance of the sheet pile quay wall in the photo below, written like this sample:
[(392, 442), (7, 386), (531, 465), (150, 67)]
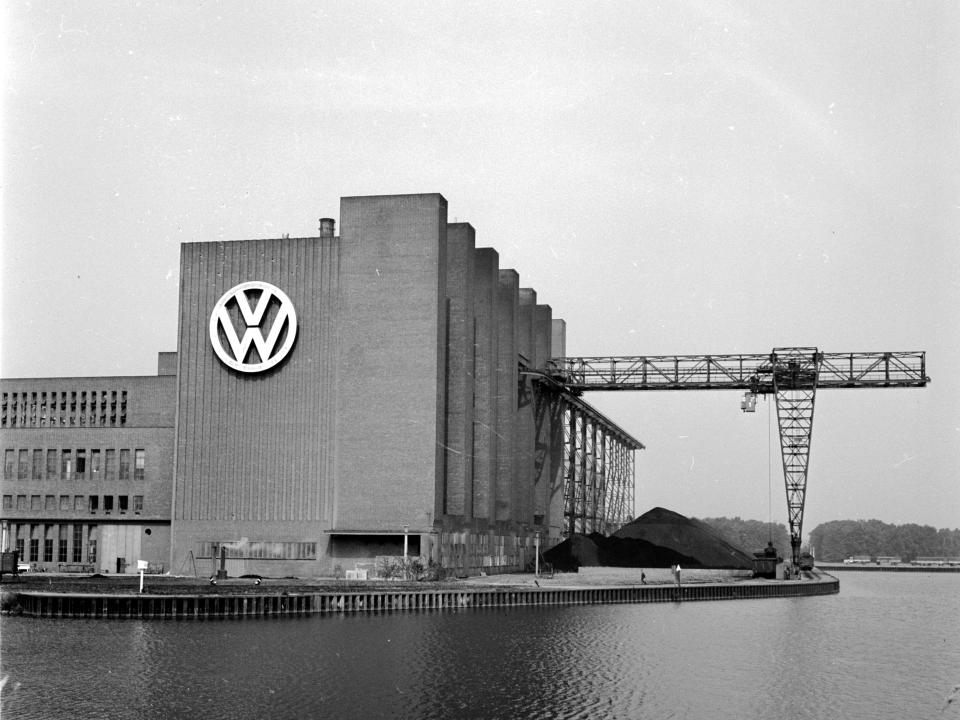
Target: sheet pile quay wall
[(58, 605)]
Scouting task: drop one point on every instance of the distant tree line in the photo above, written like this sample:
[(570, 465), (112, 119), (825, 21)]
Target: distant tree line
[(833, 541), (751, 535)]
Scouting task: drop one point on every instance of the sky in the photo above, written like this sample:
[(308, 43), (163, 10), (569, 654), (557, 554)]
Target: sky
[(671, 178)]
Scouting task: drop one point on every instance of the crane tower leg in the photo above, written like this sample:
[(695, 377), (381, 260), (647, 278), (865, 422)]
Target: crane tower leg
[(795, 375)]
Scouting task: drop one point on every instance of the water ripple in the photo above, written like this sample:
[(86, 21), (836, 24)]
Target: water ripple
[(839, 656)]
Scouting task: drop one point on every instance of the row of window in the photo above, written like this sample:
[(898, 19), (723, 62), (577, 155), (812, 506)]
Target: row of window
[(94, 408), (259, 550), (75, 503), (70, 464), (56, 545)]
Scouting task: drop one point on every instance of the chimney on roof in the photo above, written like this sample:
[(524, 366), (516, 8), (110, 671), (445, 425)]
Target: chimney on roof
[(326, 227)]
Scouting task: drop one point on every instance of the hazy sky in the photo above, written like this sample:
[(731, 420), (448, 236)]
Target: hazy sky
[(671, 178)]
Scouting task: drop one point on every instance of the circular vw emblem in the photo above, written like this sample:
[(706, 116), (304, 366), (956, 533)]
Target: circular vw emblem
[(254, 300)]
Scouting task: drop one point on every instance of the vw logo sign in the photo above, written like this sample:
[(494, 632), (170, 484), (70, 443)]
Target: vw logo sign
[(235, 353)]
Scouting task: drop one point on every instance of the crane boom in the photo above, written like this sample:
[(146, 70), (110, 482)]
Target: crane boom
[(750, 372), (793, 375)]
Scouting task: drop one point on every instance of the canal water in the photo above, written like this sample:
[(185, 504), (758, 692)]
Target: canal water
[(888, 646)]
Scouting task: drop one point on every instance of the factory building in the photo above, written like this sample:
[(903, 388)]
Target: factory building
[(332, 400)]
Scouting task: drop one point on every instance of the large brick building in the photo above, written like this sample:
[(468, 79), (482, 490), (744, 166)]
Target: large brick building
[(332, 399)]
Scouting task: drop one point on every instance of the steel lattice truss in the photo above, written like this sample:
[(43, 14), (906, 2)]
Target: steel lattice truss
[(795, 384), (753, 373), (597, 463), (793, 375)]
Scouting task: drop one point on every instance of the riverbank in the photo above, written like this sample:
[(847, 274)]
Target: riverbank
[(875, 567), (55, 596)]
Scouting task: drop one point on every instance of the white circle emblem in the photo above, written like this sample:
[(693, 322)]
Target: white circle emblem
[(238, 347)]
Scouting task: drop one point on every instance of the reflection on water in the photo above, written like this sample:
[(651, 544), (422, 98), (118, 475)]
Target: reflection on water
[(886, 647)]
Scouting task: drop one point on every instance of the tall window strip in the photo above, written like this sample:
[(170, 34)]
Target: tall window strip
[(95, 467), (139, 464), (66, 465), (124, 464), (51, 464), (81, 471), (37, 465), (77, 543), (111, 464), (23, 467), (9, 457)]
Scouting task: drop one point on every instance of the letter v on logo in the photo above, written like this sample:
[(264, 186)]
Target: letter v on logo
[(235, 354)]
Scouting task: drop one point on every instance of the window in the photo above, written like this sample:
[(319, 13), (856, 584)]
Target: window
[(108, 503), (66, 465), (35, 502), (122, 504), (260, 550), (34, 549), (8, 502), (20, 550), (95, 465), (65, 503), (48, 549), (92, 552), (77, 543), (138, 504), (23, 468), (38, 464), (51, 464), (94, 503), (62, 550), (140, 460), (50, 503), (21, 502), (81, 464), (111, 464), (8, 460), (124, 464), (79, 502)]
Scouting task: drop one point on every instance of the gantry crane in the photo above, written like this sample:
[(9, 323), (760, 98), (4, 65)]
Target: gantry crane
[(793, 375)]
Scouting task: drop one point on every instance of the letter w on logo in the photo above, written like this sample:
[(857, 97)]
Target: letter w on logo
[(252, 317)]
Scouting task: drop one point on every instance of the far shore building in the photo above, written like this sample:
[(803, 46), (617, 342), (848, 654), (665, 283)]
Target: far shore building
[(331, 400)]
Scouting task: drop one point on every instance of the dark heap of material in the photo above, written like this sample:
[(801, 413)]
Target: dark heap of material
[(658, 538)]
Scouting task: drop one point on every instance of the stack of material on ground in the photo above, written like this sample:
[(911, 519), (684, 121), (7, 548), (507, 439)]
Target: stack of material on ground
[(658, 538)]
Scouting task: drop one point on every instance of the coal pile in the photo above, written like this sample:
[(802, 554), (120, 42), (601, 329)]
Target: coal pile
[(658, 538)]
